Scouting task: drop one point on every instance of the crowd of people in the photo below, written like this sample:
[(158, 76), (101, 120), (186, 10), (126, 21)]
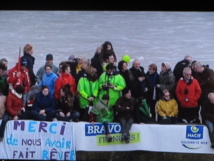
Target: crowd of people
[(103, 89)]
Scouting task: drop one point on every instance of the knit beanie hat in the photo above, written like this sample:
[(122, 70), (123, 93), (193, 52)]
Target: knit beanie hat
[(125, 91), (168, 65)]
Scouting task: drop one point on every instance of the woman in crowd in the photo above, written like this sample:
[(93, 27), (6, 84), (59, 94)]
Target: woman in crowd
[(65, 106), (167, 109), (14, 108), (49, 79), (43, 105), (87, 91)]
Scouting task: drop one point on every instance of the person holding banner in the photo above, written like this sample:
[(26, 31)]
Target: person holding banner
[(14, 108), (125, 107)]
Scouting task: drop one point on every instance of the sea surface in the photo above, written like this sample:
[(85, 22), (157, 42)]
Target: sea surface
[(151, 36)]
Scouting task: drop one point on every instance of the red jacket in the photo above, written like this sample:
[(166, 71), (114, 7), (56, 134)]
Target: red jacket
[(61, 81), (14, 103), (23, 79), (193, 93)]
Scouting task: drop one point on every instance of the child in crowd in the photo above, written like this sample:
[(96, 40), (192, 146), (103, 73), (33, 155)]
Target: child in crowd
[(102, 112)]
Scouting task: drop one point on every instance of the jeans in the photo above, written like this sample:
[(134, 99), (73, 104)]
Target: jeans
[(126, 125), (210, 127), (5, 119), (74, 116)]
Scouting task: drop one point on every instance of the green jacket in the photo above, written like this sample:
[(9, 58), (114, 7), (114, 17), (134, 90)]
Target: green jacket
[(114, 93), (103, 112), (85, 90)]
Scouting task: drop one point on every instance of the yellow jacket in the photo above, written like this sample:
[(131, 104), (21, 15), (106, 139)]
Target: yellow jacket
[(167, 108)]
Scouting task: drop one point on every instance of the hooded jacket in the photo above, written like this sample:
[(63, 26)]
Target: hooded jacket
[(14, 103), (61, 81), (119, 83), (86, 89)]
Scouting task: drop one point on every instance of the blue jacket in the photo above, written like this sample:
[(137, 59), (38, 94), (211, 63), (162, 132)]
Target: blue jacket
[(49, 80), (43, 102)]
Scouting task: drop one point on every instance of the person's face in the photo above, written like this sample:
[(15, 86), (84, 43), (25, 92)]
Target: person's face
[(128, 95), (45, 91), (167, 96), (62, 93), (108, 47), (109, 71), (49, 62), (187, 75), (125, 66), (111, 59), (151, 70), (136, 65), (5, 63), (48, 70), (163, 68), (68, 70)]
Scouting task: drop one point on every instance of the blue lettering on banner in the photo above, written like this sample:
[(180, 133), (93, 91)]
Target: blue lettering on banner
[(194, 132), (98, 129), (35, 126), (58, 155)]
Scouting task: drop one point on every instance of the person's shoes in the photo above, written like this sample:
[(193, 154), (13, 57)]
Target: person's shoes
[(109, 138), (127, 138), (55, 119), (184, 121)]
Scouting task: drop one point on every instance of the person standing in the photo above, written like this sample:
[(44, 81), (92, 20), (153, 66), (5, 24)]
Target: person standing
[(64, 78), (49, 79), (28, 56), (205, 77), (152, 94), (207, 113), (139, 83), (42, 70), (96, 62), (124, 72), (20, 75), (88, 90), (111, 83), (178, 69), (188, 92), (167, 80)]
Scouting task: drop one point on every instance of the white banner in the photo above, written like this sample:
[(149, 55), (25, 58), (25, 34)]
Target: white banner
[(38, 140), (148, 137), (59, 140)]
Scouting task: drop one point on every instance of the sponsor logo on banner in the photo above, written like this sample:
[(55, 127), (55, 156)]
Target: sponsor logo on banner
[(194, 136)]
